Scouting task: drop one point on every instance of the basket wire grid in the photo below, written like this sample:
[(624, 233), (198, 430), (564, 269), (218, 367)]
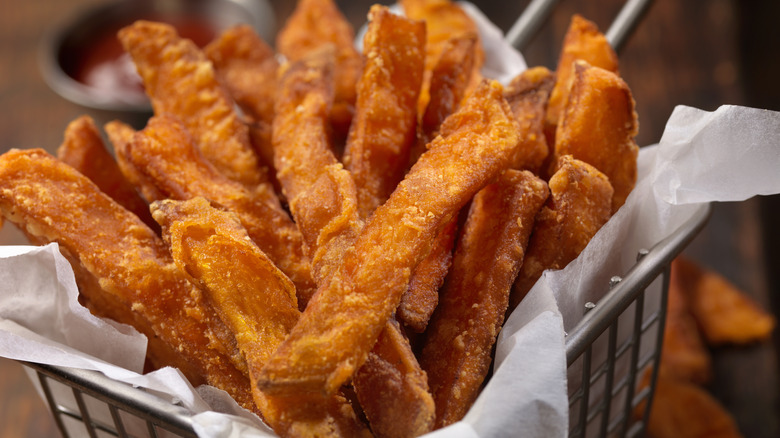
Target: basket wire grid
[(606, 395)]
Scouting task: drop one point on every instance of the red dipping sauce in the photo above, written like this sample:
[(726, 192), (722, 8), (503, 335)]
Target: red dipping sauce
[(103, 65)]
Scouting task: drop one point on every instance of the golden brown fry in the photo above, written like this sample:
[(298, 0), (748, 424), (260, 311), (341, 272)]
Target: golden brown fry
[(583, 41), (598, 126), (684, 410), (53, 202), (314, 24), (384, 128), (420, 299), (577, 208), (256, 301), (457, 351), (393, 389), (84, 150), (121, 135), (323, 200), (180, 80), (344, 319), (247, 67), (724, 314), (444, 20), (527, 95), (165, 156), (684, 355), (449, 81)]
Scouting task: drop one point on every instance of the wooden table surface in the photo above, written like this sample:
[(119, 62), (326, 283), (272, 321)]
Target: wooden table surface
[(702, 53)]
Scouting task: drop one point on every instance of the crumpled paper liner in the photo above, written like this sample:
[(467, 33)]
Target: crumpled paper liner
[(727, 155)]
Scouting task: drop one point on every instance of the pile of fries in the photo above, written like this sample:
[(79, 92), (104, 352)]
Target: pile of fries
[(334, 237)]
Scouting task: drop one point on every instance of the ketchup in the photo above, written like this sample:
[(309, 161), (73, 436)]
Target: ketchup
[(104, 66)]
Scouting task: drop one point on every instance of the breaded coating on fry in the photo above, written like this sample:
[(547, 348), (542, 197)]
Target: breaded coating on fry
[(444, 20), (584, 42), (343, 320), (180, 80), (166, 157), (527, 95), (684, 355), (255, 300), (578, 206), (449, 82), (120, 135), (320, 192), (393, 389), (385, 124), (420, 299), (247, 67), (724, 313), (54, 203), (84, 150), (314, 24), (457, 351), (323, 200), (598, 126)]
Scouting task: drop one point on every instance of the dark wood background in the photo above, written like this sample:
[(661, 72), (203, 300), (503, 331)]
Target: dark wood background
[(702, 53)]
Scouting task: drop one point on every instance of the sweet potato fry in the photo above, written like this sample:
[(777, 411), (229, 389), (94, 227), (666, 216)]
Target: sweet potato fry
[(165, 156), (391, 385), (450, 79), (343, 320), (384, 128), (54, 203), (180, 80), (527, 95), (577, 208), (316, 23), (684, 355), (724, 314), (584, 42), (84, 150), (121, 135), (256, 301), (420, 299), (683, 410), (247, 67), (457, 350), (598, 126), (444, 20)]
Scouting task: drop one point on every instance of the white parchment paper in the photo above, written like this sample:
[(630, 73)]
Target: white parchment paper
[(727, 155)]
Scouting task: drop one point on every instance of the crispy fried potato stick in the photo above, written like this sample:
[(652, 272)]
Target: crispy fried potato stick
[(450, 79), (165, 156), (384, 128), (84, 150), (343, 320), (444, 20), (314, 24), (256, 301), (724, 314), (684, 410), (121, 135), (684, 355), (180, 80), (598, 126), (247, 67), (54, 203), (583, 41), (577, 208), (527, 95), (457, 351), (391, 386)]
